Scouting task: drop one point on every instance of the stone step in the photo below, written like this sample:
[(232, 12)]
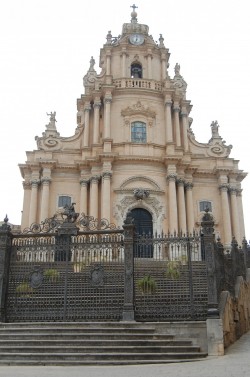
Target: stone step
[(99, 349), (79, 335), (97, 356), (91, 343), (86, 343), (55, 362)]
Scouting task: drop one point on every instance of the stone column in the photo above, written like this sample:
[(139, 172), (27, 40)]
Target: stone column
[(45, 198), (86, 125), (107, 118), (241, 214), (185, 129), (108, 60), (181, 206), (33, 201), (235, 214), (26, 205), (163, 66), (172, 204), (168, 122), (124, 62), (149, 59), (190, 206), (226, 220), (177, 124), (96, 128), (106, 178), (84, 196), (93, 211)]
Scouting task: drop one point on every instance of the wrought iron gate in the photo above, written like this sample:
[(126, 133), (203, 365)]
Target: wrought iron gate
[(69, 278), (172, 284)]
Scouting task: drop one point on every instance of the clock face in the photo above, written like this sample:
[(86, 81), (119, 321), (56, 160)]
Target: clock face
[(136, 39)]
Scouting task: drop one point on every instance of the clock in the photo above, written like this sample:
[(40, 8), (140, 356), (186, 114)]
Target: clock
[(136, 39)]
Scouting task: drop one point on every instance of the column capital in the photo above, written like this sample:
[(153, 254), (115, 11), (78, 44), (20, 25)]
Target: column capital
[(45, 181), (171, 177), (189, 186), (108, 99), (87, 107), (95, 179), (180, 181), (97, 104), (232, 190), (84, 181), (239, 191), (168, 102), (26, 185), (224, 187), (176, 107), (106, 175), (35, 182)]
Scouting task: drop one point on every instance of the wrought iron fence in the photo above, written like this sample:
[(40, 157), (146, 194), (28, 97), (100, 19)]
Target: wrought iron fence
[(170, 278), (88, 270), (52, 279)]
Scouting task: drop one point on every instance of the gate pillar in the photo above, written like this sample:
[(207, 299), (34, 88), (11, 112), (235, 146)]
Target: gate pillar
[(5, 250), (129, 307), (207, 225)]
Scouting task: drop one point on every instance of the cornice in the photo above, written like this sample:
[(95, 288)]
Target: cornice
[(131, 190), (137, 158)]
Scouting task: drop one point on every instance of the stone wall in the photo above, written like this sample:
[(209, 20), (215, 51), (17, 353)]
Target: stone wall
[(235, 311)]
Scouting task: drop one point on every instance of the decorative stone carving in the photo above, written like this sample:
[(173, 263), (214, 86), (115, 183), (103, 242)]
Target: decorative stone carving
[(178, 80), (52, 121), (90, 77), (128, 202), (45, 181), (138, 108), (216, 145), (140, 193), (171, 177)]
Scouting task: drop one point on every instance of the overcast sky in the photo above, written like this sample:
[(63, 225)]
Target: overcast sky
[(46, 46)]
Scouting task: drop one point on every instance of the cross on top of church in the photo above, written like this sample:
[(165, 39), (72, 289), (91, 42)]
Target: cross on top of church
[(134, 7)]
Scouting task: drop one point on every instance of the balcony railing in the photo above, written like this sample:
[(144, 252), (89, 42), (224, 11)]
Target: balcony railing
[(138, 84)]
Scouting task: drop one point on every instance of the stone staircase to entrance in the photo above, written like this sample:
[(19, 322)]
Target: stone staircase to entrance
[(109, 343)]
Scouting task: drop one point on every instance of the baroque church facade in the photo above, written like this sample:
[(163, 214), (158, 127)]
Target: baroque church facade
[(134, 149)]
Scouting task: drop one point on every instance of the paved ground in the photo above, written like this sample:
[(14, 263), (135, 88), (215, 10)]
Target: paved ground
[(235, 363)]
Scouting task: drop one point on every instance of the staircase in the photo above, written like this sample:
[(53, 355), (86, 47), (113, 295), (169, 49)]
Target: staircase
[(109, 343)]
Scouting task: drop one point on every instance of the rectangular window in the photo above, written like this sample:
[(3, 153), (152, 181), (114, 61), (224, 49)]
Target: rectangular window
[(138, 132), (205, 204), (63, 200)]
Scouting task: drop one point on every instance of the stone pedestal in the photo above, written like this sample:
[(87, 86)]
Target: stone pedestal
[(215, 340)]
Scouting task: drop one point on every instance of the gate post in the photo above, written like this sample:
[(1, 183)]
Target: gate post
[(63, 253), (214, 323), (128, 308), (207, 225), (5, 250)]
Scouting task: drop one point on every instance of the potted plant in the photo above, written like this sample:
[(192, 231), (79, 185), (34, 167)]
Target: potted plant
[(51, 274), (173, 269), (147, 285), (24, 289), (79, 266)]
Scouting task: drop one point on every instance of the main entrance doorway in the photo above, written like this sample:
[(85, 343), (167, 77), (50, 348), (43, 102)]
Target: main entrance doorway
[(143, 227)]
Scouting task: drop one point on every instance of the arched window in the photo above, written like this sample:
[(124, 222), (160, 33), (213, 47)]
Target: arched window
[(136, 71), (138, 132), (205, 204), (63, 200)]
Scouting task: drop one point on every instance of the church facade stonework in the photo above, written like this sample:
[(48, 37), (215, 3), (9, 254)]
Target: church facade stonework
[(134, 148)]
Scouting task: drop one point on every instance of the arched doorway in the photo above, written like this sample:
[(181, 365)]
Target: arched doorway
[(143, 226)]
